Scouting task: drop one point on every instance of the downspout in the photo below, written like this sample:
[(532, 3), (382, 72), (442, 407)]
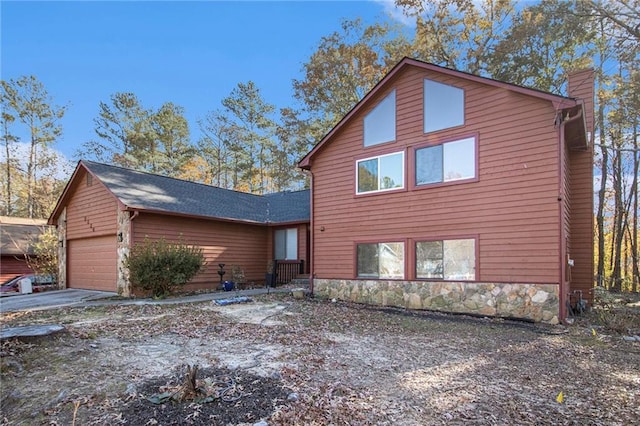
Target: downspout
[(311, 235), (564, 290)]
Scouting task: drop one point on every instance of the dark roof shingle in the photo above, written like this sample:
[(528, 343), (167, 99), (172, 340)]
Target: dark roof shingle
[(146, 191)]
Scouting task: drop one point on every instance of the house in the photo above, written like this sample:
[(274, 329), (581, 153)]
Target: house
[(448, 191), (104, 210), (17, 236)]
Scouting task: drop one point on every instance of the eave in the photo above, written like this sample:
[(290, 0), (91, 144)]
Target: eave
[(559, 102)]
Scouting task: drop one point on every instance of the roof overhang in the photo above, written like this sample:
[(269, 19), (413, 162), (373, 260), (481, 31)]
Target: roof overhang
[(559, 102), (575, 128)]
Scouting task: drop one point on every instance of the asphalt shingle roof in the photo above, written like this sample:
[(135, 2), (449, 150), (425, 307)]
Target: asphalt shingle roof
[(146, 191)]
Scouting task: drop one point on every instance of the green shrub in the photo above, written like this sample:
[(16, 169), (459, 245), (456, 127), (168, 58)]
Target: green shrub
[(161, 267)]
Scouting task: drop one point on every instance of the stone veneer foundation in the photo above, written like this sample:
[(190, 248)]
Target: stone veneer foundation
[(537, 302)]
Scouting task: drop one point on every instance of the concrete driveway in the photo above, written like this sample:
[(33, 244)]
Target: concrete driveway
[(50, 299)]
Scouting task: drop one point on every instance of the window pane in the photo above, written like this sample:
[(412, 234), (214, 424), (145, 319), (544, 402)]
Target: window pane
[(443, 106), (391, 260), (380, 123), (292, 244), (429, 165), (281, 244), (460, 159), (429, 259), (368, 260), (368, 175), (459, 260), (392, 171)]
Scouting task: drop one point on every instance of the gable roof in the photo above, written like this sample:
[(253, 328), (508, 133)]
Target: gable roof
[(143, 191), (559, 102), (17, 234)]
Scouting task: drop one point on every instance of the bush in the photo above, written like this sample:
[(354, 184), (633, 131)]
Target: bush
[(161, 267)]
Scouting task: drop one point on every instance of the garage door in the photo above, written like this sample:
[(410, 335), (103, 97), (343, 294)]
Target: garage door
[(92, 263)]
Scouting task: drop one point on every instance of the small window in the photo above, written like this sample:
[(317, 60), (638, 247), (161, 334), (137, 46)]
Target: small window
[(447, 162), (286, 244), (89, 179), (380, 123), (382, 173), (381, 260), (447, 259), (443, 106)]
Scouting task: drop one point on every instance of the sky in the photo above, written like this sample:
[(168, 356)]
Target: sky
[(189, 53)]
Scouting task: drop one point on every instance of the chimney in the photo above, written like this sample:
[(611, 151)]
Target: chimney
[(582, 87)]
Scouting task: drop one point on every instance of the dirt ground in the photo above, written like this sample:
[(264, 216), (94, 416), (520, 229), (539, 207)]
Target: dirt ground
[(282, 361)]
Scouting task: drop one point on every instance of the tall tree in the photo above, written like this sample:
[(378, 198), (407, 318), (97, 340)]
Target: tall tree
[(251, 129), (460, 34), (133, 136), (25, 100), (544, 41), (9, 140), (344, 67)]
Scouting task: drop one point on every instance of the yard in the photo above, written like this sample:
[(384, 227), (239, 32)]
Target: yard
[(286, 361)]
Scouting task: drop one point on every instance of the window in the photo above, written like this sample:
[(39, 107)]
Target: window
[(448, 259), (380, 260), (380, 123), (447, 162), (382, 173), (286, 244), (443, 106)]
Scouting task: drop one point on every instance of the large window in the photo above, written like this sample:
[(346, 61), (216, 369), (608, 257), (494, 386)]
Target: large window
[(443, 106), (380, 123), (447, 259), (447, 162), (286, 244), (382, 173), (380, 260)]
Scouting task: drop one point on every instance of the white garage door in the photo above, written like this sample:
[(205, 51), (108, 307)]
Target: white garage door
[(92, 263)]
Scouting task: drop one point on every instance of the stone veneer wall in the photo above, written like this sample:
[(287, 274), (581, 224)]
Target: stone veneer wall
[(124, 229), (537, 302), (62, 249)]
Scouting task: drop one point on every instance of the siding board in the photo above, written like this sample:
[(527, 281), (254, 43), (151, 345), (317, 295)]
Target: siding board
[(513, 207)]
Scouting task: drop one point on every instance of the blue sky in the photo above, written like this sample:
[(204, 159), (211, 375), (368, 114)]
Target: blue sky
[(189, 53)]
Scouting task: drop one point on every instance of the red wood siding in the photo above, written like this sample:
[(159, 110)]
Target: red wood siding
[(581, 232), (513, 207), (11, 266), (91, 235), (92, 263), (223, 242), (91, 210)]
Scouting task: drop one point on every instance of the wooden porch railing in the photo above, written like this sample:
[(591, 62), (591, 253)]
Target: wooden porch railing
[(287, 270)]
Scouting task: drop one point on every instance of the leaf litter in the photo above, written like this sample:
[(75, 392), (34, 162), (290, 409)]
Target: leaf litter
[(312, 362)]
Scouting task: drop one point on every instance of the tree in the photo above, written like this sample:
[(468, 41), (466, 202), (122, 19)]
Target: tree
[(26, 101), (544, 41), (139, 138), (345, 66), (460, 34)]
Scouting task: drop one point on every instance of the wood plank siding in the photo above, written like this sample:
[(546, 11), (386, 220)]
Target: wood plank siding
[(92, 210), (580, 164), (512, 209), (223, 242), (12, 266), (91, 235)]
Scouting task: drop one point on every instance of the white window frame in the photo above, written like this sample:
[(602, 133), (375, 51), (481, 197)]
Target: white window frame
[(380, 175)]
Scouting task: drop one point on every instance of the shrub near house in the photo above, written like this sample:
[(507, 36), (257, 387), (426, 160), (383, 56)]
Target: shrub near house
[(162, 267)]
